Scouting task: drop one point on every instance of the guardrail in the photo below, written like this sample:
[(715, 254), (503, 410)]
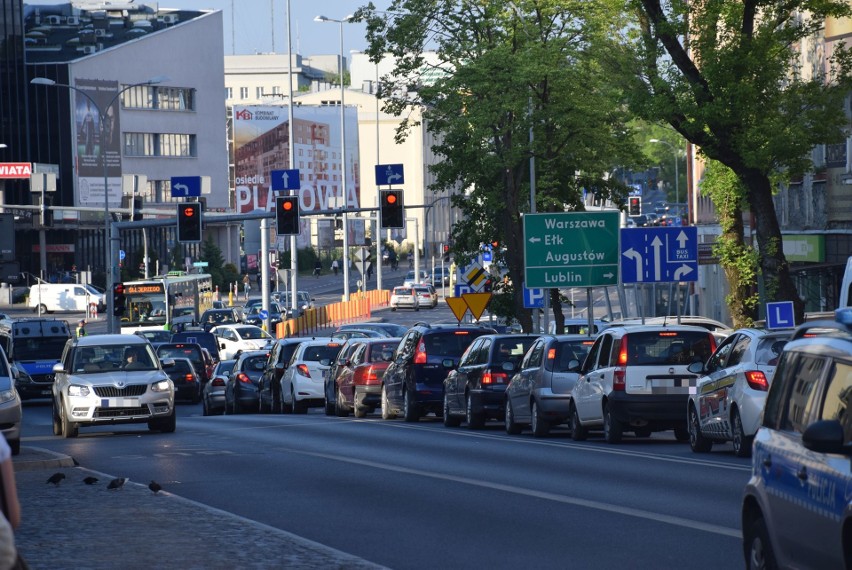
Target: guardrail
[(326, 319)]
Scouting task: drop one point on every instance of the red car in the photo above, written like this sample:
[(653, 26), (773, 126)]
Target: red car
[(358, 382)]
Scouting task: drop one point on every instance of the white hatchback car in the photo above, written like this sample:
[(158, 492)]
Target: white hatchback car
[(732, 390), (636, 378), (236, 338), (426, 296), (404, 298), (303, 382)]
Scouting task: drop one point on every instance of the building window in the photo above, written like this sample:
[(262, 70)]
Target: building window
[(243, 92), (276, 90), (175, 98), (229, 92), (258, 92), (164, 144), (139, 97)]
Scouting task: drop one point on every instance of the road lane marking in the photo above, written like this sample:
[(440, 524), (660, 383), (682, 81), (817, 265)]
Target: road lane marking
[(596, 505)]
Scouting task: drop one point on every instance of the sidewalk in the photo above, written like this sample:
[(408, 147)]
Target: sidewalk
[(78, 526)]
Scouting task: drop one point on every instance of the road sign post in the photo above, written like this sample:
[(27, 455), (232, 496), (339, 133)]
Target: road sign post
[(571, 249)]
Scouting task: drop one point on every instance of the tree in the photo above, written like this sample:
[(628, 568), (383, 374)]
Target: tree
[(499, 70), (738, 91), (212, 254)]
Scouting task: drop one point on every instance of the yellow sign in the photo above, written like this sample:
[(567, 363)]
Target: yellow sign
[(476, 302), (457, 306), (475, 276)]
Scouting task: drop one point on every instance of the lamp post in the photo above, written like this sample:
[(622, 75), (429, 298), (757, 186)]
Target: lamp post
[(677, 176), (342, 155), (110, 268)]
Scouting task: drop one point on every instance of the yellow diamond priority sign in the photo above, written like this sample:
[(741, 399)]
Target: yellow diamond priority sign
[(457, 306), (476, 302)]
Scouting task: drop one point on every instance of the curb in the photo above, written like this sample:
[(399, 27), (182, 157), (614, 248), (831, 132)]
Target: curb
[(32, 458)]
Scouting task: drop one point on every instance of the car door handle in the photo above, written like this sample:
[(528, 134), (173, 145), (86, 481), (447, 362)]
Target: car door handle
[(802, 473)]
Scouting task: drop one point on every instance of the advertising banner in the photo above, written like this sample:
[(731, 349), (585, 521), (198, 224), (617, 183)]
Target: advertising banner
[(261, 145), (96, 142)]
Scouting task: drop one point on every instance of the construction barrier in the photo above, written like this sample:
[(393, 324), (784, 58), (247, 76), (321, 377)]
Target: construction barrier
[(324, 320)]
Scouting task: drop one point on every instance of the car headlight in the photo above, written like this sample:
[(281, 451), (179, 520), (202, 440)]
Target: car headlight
[(161, 386), (75, 390), (7, 395)]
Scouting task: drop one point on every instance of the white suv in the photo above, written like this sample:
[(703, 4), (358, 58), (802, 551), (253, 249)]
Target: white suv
[(111, 379), (636, 378)]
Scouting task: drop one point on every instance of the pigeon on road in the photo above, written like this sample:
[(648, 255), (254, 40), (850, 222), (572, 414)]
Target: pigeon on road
[(90, 480), (117, 483), (155, 487), (56, 478)]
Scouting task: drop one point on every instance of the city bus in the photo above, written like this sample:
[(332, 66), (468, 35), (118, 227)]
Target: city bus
[(161, 302)]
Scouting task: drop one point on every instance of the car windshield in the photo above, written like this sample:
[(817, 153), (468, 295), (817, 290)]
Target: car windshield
[(318, 352), (252, 333), (223, 367), (193, 353), (44, 348), (422, 290), (97, 359), (401, 291), (254, 363), (220, 317), (569, 350), (511, 349), (448, 343), (665, 347)]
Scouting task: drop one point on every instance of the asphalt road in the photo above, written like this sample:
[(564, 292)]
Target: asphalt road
[(422, 495)]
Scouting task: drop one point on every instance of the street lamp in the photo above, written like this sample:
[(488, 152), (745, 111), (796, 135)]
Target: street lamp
[(342, 155), (677, 176), (109, 267)]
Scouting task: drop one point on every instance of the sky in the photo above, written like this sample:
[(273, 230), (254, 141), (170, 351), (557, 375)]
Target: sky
[(260, 22)]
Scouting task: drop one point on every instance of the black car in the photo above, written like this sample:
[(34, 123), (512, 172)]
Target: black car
[(186, 380), (215, 317), (269, 386), (413, 384), (205, 339), (241, 393), (475, 390), (190, 350)]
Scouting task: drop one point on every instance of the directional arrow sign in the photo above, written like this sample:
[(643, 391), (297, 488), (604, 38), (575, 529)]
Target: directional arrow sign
[(389, 174), (285, 179), (659, 254), (457, 306), (186, 186), (571, 249)]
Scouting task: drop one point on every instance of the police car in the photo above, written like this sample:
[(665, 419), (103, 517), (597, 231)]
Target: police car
[(797, 506)]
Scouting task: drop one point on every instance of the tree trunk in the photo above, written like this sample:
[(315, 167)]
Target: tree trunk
[(513, 234), (777, 282), (743, 313), (558, 317)]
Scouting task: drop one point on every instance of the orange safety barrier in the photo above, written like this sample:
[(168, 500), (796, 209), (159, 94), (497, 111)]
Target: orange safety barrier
[(313, 321)]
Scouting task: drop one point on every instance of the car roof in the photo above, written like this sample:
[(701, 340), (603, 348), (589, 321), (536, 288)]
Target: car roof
[(110, 339)]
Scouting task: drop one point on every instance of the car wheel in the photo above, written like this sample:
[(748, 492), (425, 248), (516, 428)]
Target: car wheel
[(449, 420), (386, 409), (41, 309), (578, 431), (742, 442), (164, 425), (681, 433), (285, 408), (359, 411), (57, 422), (540, 427), (758, 550), (697, 441), (69, 428), (511, 427), (475, 420), (613, 429), (393, 308), (410, 413), (236, 407), (340, 409), (329, 405), (196, 398), (296, 406)]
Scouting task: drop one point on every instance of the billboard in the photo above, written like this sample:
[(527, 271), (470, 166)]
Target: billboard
[(95, 101), (261, 145)]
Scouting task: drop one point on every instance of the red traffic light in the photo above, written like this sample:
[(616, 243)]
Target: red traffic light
[(446, 248), (390, 198), (287, 205), (118, 289), (189, 212)]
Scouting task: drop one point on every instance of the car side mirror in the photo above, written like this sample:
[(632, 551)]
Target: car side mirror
[(826, 436), (57, 368), (387, 355), (325, 362), (696, 367), (222, 345)]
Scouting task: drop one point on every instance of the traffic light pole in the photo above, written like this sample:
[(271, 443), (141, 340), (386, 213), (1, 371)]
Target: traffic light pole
[(113, 321)]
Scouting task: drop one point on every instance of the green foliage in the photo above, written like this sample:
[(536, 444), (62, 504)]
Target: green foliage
[(212, 254)]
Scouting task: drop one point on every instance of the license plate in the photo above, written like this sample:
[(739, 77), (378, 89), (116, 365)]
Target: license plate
[(120, 403)]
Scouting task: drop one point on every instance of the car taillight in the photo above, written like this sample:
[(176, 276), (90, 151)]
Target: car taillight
[(420, 353), (757, 380), (365, 375), (243, 377), (190, 378), (489, 377), (218, 382), (620, 371), (303, 370)]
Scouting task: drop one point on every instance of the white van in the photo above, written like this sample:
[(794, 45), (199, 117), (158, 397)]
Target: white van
[(72, 297)]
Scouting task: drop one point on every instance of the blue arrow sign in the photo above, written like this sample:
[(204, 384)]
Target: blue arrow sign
[(389, 174), (659, 254), (263, 314), (186, 186), (780, 315), (285, 179)]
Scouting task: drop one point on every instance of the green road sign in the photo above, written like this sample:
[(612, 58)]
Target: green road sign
[(571, 249)]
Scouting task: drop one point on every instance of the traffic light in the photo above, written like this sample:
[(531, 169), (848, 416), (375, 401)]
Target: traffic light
[(118, 299), (446, 253), (137, 208), (189, 222), (635, 207), (393, 210), (287, 216)]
